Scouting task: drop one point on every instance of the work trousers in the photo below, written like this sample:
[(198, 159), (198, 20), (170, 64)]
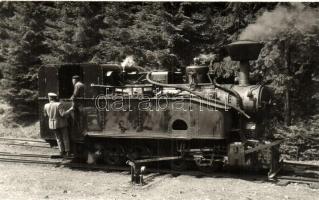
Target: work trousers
[(78, 119), (62, 138)]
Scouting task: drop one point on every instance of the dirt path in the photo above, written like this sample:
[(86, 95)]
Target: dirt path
[(19, 181)]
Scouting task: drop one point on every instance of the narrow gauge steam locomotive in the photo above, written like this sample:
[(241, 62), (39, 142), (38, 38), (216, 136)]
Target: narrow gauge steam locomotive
[(130, 114)]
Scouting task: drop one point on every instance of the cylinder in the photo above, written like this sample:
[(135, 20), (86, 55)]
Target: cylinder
[(244, 73)]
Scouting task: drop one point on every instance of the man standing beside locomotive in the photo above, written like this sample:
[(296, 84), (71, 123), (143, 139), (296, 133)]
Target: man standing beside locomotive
[(56, 113)]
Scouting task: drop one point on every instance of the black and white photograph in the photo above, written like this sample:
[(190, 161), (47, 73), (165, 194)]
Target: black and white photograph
[(159, 100)]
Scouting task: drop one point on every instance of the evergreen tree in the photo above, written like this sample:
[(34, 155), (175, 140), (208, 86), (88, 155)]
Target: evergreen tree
[(292, 74), (158, 35), (22, 58), (133, 29), (72, 31)]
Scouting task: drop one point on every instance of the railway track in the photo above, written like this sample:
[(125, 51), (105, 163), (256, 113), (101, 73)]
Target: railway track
[(288, 179), (28, 161), (24, 142), (6, 154), (292, 172), (27, 158), (150, 172), (22, 139), (284, 179)]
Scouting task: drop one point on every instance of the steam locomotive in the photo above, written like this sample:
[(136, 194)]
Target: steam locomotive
[(128, 113)]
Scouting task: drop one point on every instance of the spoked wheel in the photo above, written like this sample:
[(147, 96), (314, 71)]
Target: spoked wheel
[(179, 165), (139, 152), (216, 166), (114, 154), (205, 169)]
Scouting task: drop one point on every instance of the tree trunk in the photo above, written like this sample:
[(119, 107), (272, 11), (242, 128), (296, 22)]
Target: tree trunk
[(287, 108), (287, 92)]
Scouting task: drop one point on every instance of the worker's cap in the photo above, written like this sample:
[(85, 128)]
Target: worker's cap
[(51, 94), (75, 77)]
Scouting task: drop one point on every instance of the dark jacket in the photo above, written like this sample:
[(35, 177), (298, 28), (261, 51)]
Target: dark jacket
[(78, 91)]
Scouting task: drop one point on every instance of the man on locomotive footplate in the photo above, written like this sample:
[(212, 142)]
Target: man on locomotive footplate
[(77, 99), (57, 115), (78, 91)]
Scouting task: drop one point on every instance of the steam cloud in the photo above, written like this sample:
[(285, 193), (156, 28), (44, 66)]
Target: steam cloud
[(280, 20), (128, 62)]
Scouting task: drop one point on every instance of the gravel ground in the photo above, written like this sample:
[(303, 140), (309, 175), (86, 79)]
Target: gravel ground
[(22, 181)]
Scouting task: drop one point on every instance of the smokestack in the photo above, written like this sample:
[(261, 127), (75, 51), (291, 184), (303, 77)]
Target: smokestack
[(244, 51), (244, 73)]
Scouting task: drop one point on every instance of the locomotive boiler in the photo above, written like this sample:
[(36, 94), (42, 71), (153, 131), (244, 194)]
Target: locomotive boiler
[(183, 119)]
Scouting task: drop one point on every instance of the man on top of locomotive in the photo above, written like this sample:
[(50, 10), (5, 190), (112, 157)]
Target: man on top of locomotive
[(57, 114)]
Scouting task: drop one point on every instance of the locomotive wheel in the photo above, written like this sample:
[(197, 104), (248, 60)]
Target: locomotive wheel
[(179, 165), (206, 169), (114, 154), (139, 152), (217, 166)]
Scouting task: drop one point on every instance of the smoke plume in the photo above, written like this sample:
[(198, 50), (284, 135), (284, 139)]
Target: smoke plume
[(128, 62), (281, 20)]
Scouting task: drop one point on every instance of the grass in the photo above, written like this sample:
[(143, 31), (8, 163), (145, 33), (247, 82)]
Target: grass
[(13, 129), (31, 131)]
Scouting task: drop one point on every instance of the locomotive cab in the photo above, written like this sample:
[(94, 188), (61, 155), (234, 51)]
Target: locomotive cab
[(65, 73), (58, 79)]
